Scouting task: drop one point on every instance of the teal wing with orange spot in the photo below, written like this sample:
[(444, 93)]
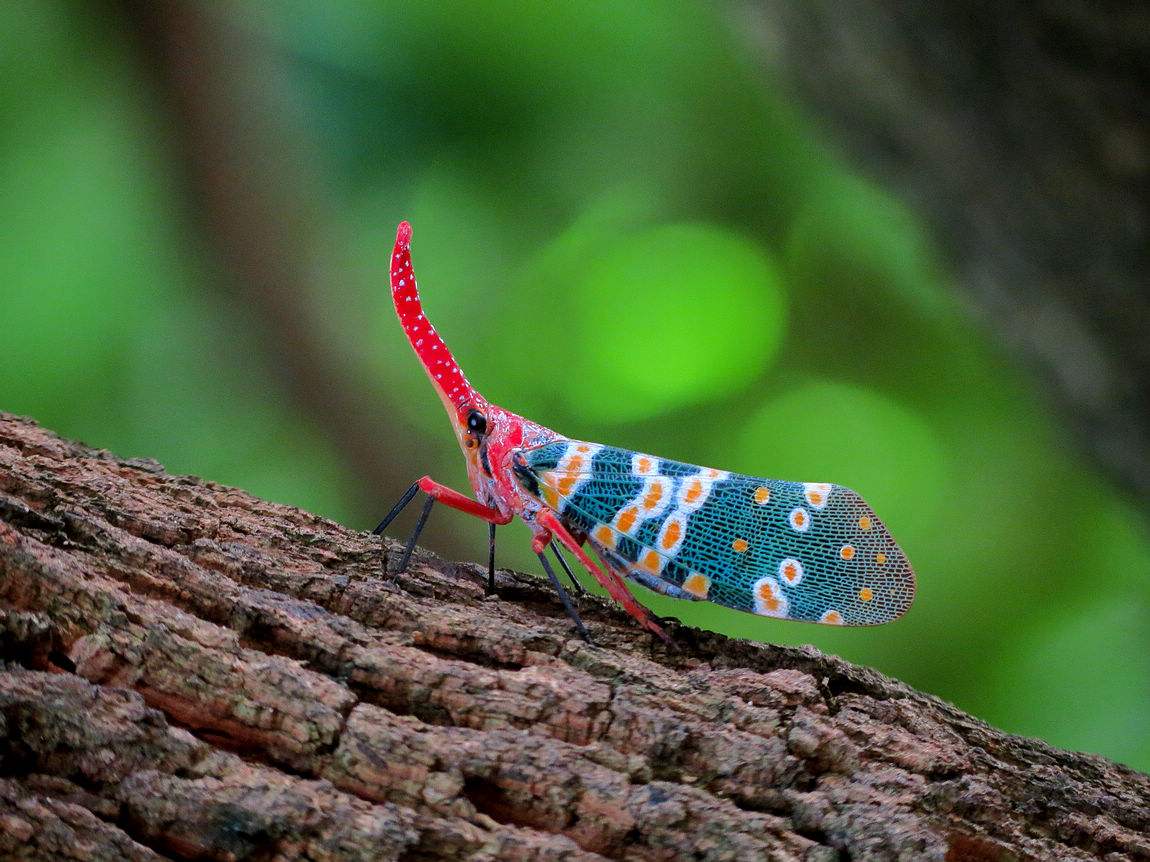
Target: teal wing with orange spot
[(813, 552)]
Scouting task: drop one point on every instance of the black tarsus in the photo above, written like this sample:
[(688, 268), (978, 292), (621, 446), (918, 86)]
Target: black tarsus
[(570, 574), (491, 559), (397, 508), (409, 495), (563, 597), (410, 546)]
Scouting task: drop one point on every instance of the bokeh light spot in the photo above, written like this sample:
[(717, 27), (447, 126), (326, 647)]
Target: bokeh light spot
[(673, 315)]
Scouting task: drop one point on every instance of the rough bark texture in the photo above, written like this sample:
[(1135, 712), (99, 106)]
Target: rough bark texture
[(191, 672)]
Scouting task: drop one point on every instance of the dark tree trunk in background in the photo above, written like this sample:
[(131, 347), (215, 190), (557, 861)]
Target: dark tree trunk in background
[(191, 672), (251, 194), (1021, 133)]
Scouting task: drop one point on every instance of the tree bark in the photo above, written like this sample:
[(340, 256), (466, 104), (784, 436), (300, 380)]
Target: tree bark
[(190, 672), (1019, 131)]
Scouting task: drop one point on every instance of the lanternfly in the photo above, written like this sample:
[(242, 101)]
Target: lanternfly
[(813, 552)]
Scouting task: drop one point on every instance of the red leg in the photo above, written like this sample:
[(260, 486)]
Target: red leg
[(456, 500), (451, 498), (609, 580), (541, 541)]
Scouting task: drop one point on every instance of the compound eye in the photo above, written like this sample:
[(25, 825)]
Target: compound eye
[(477, 423)]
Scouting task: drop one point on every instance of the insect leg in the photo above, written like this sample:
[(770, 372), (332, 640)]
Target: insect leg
[(491, 558), (563, 597), (419, 525), (570, 574), (609, 580), (455, 500), (448, 497), (396, 509), (458, 501)]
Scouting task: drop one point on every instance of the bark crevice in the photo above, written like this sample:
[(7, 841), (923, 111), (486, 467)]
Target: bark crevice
[(191, 672)]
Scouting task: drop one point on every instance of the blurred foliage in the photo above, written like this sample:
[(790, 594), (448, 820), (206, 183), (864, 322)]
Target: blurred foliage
[(624, 233)]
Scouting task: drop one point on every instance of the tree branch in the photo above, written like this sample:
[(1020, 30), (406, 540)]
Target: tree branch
[(191, 672)]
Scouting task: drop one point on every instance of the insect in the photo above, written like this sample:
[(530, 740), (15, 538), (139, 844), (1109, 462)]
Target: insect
[(813, 552)]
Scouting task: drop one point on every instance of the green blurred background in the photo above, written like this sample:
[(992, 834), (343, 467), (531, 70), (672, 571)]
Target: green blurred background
[(197, 214)]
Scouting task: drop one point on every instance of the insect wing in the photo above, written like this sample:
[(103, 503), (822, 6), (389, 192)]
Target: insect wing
[(814, 552)]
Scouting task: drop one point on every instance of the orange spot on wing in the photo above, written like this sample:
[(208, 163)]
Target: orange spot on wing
[(880, 558), (653, 496), (769, 599), (570, 475), (866, 594), (604, 535), (644, 465), (790, 571), (847, 552), (833, 617), (815, 497), (651, 561), (697, 585), (739, 545), (865, 522), (583, 447), (694, 491), (627, 519), (550, 497), (762, 496), (671, 534)]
